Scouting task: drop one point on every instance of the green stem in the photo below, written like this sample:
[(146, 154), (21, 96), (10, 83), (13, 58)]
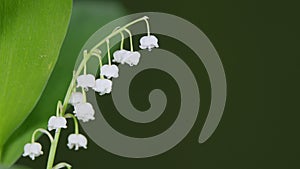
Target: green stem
[(53, 149), (97, 54), (62, 165), (147, 24), (72, 85), (59, 108), (108, 52), (42, 131), (130, 38), (122, 37), (100, 63), (75, 122), (84, 95), (120, 30), (122, 41), (84, 56)]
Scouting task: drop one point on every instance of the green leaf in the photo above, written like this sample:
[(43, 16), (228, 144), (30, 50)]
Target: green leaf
[(87, 17), (31, 35), (14, 167)]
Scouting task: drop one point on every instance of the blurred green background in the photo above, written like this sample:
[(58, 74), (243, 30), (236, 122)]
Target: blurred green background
[(257, 42)]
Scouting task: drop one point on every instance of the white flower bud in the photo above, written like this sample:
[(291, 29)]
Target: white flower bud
[(109, 71), (86, 81), (133, 58), (56, 123), (120, 56), (84, 112), (103, 86), (77, 140), (76, 98), (32, 150), (148, 42)]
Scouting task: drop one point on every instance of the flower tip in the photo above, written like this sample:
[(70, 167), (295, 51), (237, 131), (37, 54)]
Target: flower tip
[(32, 157)]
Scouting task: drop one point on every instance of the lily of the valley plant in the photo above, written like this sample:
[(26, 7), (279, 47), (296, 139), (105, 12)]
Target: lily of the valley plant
[(76, 94)]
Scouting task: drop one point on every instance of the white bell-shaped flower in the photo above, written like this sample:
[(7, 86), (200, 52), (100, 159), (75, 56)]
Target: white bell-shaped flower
[(76, 98), (84, 112), (86, 81), (133, 58), (103, 86), (77, 140), (120, 56), (148, 42), (32, 150), (56, 123), (110, 71)]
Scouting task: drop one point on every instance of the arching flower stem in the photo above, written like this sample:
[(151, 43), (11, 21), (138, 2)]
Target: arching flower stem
[(76, 74), (108, 51), (130, 38), (147, 24), (62, 165), (59, 108), (97, 54), (42, 131), (122, 37), (84, 56), (75, 122)]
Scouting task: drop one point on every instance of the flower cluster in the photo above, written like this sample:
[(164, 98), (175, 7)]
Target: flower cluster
[(82, 82)]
